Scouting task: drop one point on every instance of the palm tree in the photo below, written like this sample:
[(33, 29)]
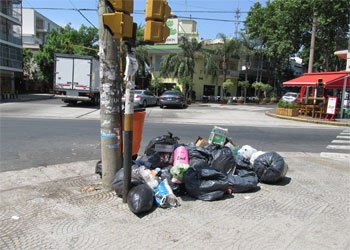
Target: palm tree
[(179, 65), (142, 61), (230, 48), (247, 50)]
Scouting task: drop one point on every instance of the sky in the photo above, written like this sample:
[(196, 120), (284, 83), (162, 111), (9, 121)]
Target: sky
[(184, 9)]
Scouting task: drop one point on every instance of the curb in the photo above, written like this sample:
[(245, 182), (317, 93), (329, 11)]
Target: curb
[(306, 120), (26, 99)]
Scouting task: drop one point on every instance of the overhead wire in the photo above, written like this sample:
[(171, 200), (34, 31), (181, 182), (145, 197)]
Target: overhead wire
[(82, 14)]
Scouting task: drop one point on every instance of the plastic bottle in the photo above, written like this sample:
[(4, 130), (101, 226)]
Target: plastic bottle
[(149, 178)]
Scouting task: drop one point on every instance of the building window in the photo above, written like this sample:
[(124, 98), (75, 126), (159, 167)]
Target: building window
[(157, 59), (10, 56)]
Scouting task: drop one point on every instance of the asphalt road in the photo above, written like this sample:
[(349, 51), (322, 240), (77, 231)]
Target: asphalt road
[(28, 142)]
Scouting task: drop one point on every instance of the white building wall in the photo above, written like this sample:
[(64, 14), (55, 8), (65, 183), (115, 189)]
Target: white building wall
[(28, 24)]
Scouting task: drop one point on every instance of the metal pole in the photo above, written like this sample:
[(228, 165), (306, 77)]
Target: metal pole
[(110, 83), (312, 51), (131, 68), (346, 78)]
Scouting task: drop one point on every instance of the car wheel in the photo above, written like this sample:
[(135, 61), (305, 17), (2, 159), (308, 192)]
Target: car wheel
[(144, 104), (161, 106)]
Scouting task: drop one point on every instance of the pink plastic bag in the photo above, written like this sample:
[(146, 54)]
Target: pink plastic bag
[(180, 156)]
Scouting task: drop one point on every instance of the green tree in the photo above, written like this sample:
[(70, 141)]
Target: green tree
[(178, 65), (229, 48), (257, 86), (56, 43), (284, 28), (156, 84), (266, 88), (244, 85), (228, 84), (247, 50)]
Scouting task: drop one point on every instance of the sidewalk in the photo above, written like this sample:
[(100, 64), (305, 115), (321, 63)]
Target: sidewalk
[(336, 122), (49, 208), (25, 97)]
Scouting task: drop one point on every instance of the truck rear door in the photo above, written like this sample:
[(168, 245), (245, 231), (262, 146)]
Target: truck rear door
[(64, 73), (82, 74)]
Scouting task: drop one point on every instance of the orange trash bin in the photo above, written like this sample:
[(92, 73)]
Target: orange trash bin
[(137, 129)]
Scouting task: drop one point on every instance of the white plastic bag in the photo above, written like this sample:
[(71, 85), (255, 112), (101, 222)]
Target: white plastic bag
[(246, 151), (254, 156)]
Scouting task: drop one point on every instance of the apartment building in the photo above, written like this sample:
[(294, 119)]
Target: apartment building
[(10, 46), (35, 29)]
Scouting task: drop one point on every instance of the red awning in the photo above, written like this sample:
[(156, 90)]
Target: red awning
[(331, 80)]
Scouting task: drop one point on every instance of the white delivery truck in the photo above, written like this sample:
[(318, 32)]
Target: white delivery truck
[(77, 79)]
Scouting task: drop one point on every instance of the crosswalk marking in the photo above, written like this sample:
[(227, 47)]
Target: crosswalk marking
[(343, 137), (341, 141), (343, 147), (341, 144)]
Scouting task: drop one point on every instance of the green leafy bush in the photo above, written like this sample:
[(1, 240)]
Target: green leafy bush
[(292, 105)]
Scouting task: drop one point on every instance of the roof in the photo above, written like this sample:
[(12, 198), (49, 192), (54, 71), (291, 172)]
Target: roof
[(331, 80), (162, 47)]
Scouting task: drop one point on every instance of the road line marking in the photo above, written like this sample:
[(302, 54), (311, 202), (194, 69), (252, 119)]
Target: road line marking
[(343, 137), (338, 147), (334, 155), (345, 133), (341, 141)]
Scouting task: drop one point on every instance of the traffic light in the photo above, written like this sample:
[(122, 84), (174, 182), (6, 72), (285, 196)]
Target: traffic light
[(120, 22), (157, 13), (319, 83)]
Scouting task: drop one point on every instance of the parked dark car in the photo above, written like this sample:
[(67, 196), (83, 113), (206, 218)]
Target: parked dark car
[(172, 98)]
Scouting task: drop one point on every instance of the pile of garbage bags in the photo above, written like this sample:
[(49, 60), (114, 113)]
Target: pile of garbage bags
[(205, 170)]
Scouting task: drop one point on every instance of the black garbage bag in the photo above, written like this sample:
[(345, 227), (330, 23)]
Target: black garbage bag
[(198, 162), (160, 160), (198, 152), (98, 168), (140, 198), (223, 159), (178, 189), (198, 156), (270, 167), (243, 181), (242, 163), (118, 181), (164, 139), (205, 183)]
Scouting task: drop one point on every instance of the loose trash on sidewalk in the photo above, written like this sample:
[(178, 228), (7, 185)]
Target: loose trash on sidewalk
[(206, 170)]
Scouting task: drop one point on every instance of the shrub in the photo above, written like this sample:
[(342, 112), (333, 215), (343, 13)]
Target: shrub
[(292, 105), (280, 104)]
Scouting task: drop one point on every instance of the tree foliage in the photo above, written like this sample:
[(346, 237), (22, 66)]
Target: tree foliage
[(57, 43), (179, 65), (230, 48), (284, 28)]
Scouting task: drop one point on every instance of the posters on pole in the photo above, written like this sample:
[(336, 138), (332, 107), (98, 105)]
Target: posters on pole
[(332, 105), (173, 24)]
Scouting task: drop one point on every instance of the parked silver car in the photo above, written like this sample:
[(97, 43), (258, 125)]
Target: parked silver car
[(172, 98), (144, 98)]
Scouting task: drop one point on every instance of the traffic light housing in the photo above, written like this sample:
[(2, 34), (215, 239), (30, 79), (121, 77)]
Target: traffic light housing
[(157, 13), (120, 22), (319, 83)]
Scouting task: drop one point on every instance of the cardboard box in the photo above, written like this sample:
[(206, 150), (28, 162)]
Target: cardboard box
[(200, 142), (218, 135)]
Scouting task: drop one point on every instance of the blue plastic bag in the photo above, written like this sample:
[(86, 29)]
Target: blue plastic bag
[(164, 195)]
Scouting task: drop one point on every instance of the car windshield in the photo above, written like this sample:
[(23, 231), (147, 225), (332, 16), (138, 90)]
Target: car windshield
[(171, 93), (291, 94), (138, 92)]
